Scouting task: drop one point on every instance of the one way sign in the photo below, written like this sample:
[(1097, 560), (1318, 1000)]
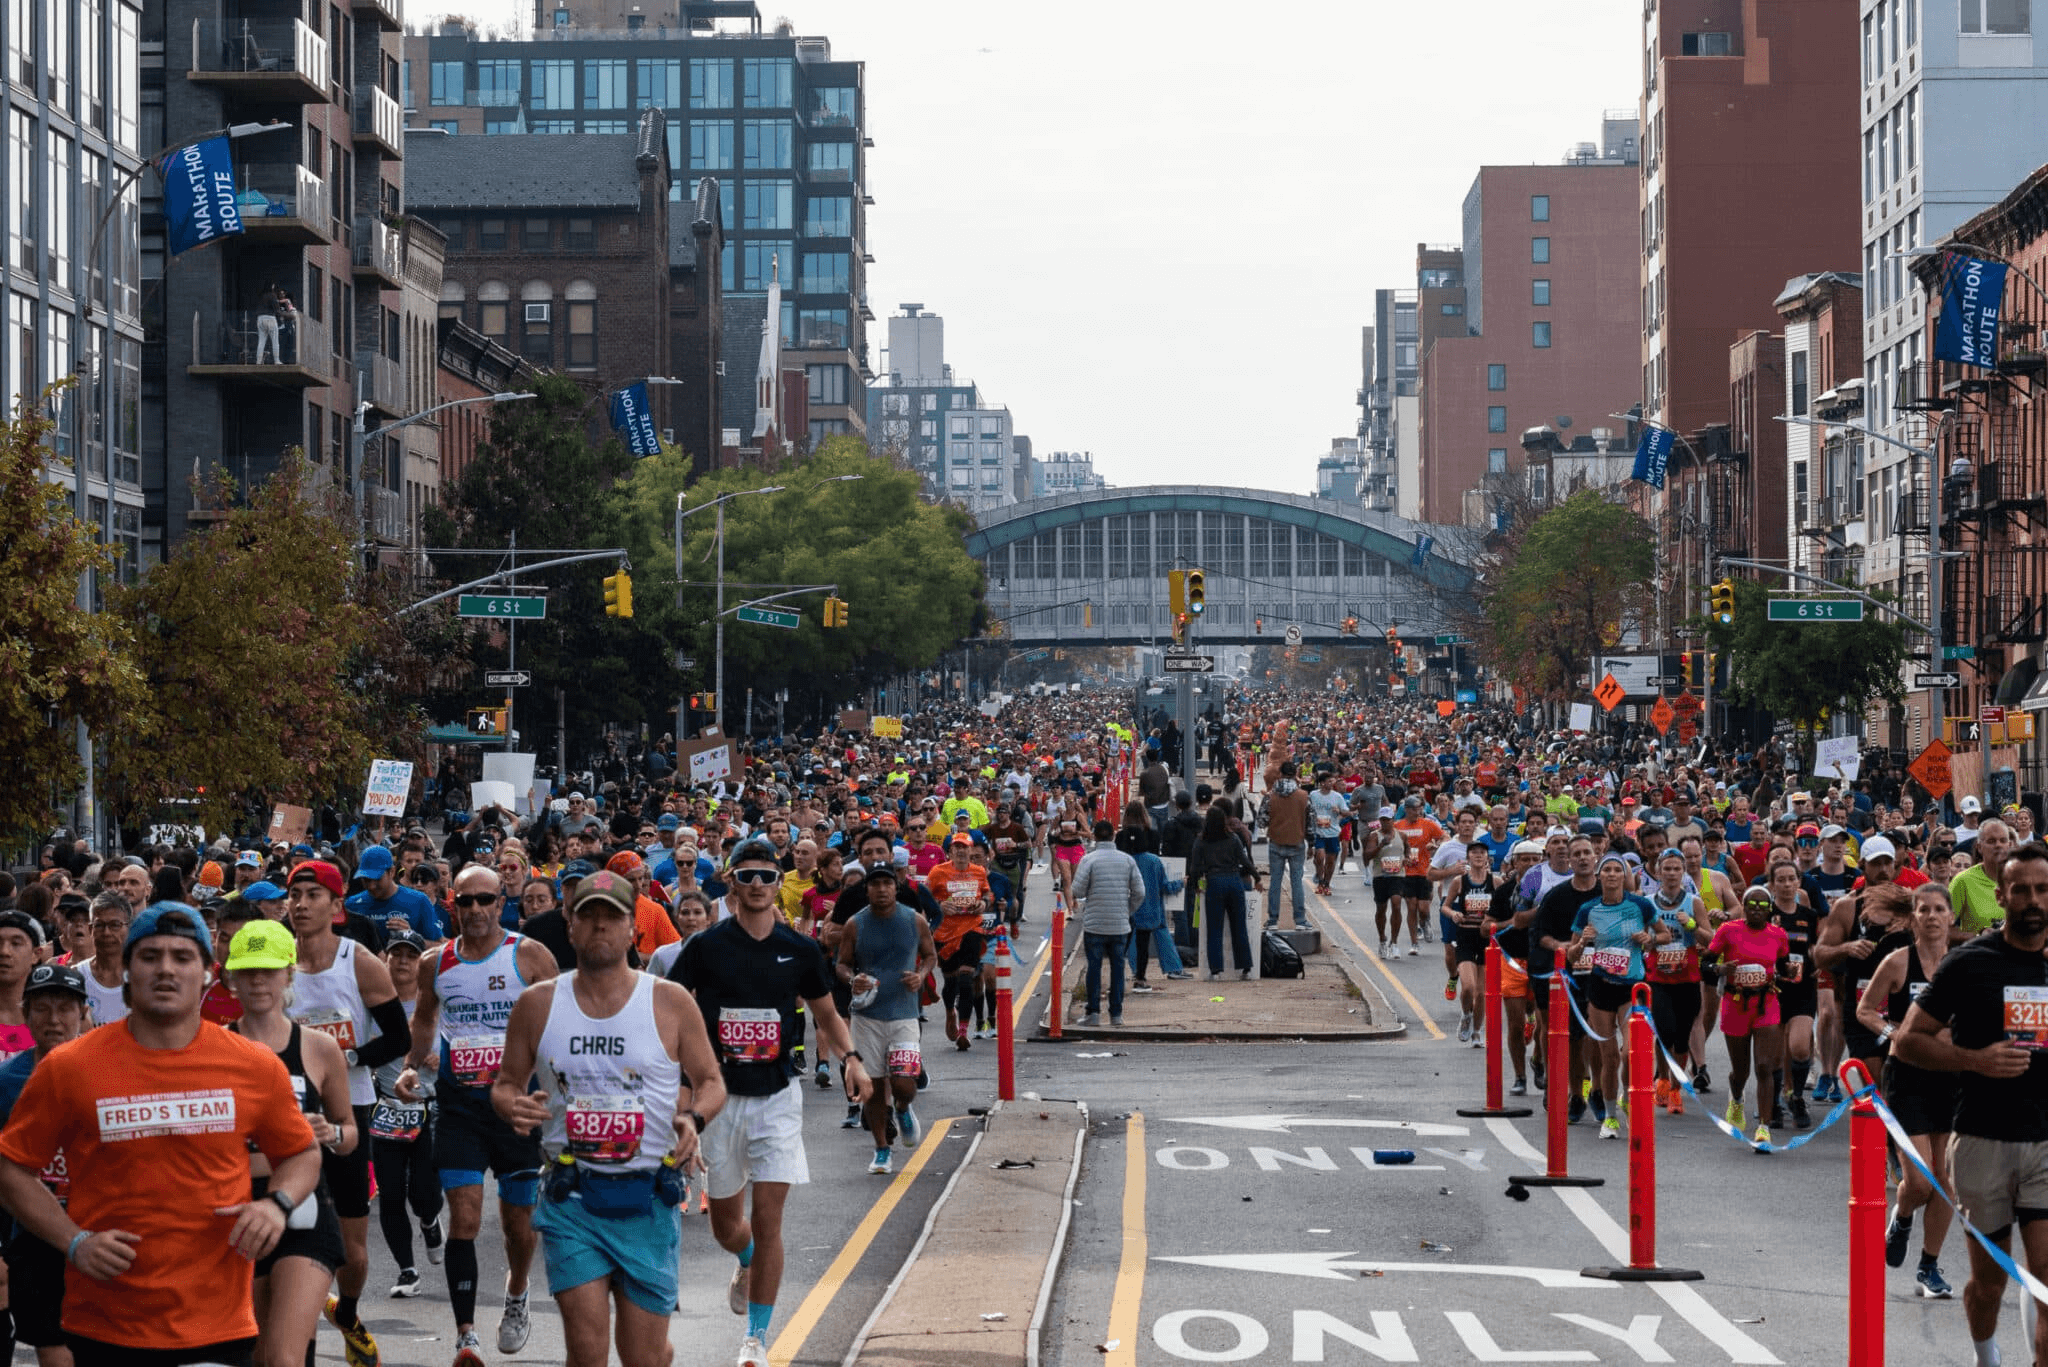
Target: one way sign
[(507, 678)]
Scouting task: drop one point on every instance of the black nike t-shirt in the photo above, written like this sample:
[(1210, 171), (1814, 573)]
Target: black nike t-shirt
[(1986, 991), (748, 990)]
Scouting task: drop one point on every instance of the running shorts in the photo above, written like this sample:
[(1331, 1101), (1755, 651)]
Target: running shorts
[(347, 1175), (1416, 886), (1924, 1101), (640, 1251), (1998, 1181), (1327, 844), (1604, 994), (757, 1139), (891, 1048), (470, 1139), (1673, 1009), (35, 1288), (1740, 1015), (1386, 887)]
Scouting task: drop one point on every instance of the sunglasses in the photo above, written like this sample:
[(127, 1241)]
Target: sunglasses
[(757, 876), (478, 899)]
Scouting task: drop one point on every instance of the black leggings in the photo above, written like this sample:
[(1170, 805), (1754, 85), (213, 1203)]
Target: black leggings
[(405, 1176), (1673, 1009), (960, 977)]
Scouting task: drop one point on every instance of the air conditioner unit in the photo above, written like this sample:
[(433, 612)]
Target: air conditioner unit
[(537, 313), (721, 367), (668, 434)]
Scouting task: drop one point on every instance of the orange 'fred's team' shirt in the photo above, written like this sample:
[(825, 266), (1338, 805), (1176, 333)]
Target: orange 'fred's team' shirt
[(156, 1140), (1422, 836)]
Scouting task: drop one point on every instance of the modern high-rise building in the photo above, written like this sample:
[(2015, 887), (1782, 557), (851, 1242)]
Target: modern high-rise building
[(1390, 419), (964, 445), (1954, 106), (1068, 472), (1748, 179), (1526, 325), (74, 281), (769, 114)]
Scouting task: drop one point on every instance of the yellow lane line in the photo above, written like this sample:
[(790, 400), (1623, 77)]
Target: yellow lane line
[(798, 1327), (1130, 1272), (1385, 972), (1023, 999)]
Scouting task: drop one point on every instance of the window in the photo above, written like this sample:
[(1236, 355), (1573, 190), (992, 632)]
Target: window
[(550, 126), (554, 85), (1706, 45), (125, 76), (582, 334), (448, 126), (826, 273), (494, 311), (710, 83), (758, 262), (992, 453), (832, 108), (1539, 293), (604, 84), (536, 333), (599, 126), (1539, 208), (960, 429), (1451, 309), (582, 235), (827, 383), (22, 38), (928, 403), (765, 82), (711, 146), (658, 85), (24, 218), (1497, 418), (1497, 377), (491, 235), (832, 161), (495, 126), (829, 216), (956, 400), (497, 83), (928, 429), (1539, 334), (1799, 384), (768, 204), (536, 234), (444, 83), (1497, 461), (1996, 16), (57, 167), (1539, 250), (767, 144)]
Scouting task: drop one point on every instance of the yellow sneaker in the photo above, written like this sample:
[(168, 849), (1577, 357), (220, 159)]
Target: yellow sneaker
[(1735, 1115), (358, 1345)]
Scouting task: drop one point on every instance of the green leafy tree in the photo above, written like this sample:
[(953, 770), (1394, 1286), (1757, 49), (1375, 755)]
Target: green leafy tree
[(59, 665), (1803, 671), (253, 639), (1556, 588)]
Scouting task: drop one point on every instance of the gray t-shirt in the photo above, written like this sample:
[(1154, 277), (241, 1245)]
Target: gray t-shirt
[(1327, 812), (885, 948)]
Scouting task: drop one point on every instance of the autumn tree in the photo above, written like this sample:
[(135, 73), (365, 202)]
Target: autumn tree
[(1558, 587), (59, 664), (1803, 671)]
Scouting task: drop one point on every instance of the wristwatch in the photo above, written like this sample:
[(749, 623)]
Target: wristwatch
[(697, 1120), (350, 1056), (283, 1202), (854, 1055)]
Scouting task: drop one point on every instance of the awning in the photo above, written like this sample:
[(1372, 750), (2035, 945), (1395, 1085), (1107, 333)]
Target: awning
[(2036, 697), (454, 733)]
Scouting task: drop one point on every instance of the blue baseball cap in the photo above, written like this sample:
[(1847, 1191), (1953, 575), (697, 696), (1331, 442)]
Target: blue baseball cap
[(375, 862), (150, 923), (265, 891), (668, 822)]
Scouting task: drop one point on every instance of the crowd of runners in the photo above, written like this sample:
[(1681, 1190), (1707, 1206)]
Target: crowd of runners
[(609, 1010)]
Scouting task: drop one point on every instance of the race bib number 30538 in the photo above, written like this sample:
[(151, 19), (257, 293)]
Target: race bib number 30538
[(750, 1034), (2026, 1016)]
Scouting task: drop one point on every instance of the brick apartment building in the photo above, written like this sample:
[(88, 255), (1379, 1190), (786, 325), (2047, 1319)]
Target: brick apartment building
[(470, 365), (1749, 492)]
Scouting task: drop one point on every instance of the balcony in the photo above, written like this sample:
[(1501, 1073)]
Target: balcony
[(1920, 390), (278, 61), (380, 382), (375, 254), (821, 335), (385, 509), (282, 202), (388, 15), (379, 122), (238, 348)]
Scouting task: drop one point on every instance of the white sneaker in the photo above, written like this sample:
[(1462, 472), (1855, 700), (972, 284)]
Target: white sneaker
[(513, 1329), (753, 1353), (1464, 1029), (736, 1291), (1413, 951)]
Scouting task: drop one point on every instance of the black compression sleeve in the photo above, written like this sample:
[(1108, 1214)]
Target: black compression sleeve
[(394, 1039)]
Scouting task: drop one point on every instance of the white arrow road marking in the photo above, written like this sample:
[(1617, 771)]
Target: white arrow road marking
[(1482, 1346), (1280, 1124), (1341, 1266), (1640, 1335)]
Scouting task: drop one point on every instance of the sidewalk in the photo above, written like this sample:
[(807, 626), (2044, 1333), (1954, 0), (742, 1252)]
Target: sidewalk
[(979, 1278)]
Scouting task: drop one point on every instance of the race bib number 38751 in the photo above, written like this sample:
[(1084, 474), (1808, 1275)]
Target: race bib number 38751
[(604, 1129)]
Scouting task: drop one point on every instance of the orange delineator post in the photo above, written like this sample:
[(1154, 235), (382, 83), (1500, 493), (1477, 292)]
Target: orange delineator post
[(1557, 1097), (1866, 1222), (1006, 1042), (1495, 1011), (1642, 1157), (1058, 1011)]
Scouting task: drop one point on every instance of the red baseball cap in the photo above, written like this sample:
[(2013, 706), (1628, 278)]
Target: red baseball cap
[(321, 872)]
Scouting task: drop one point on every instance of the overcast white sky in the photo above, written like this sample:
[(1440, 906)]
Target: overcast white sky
[(1155, 234)]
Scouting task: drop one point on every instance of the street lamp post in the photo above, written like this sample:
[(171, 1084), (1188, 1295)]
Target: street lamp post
[(359, 438), (718, 610)]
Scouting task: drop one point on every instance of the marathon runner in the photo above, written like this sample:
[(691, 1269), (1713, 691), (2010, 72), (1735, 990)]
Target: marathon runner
[(1611, 934), (629, 1082), (1751, 954), (343, 990), (402, 1139), (748, 973), (1674, 973), (59, 1011), (104, 975), (466, 992), (884, 954)]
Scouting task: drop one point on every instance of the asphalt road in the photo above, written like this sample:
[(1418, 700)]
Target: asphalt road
[(1230, 1210)]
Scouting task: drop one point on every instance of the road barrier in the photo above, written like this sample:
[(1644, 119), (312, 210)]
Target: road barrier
[(1558, 1100), (1057, 1013), (1494, 1034), (1006, 1042), (1642, 1156), (1866, 1219)]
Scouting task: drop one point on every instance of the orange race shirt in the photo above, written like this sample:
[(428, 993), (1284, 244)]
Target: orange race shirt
[(156, 1140), (959, 893), (1422, 838), (652, 927)]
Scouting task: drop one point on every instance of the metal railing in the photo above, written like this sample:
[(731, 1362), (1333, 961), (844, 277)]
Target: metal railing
[(280, 189), (239, 337), (259, 47), (391, 11), (380, 117), (380, 381), (386, 509), (376, 246)]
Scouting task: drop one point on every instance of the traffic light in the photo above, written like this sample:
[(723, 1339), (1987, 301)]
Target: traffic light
[(1685, 667), (1258, 626), (1180, 627), (618, 594), (835, 616), (1722, 596), (703, 702), (1350, 626), (1087, 614), (487, 721), (1176, 594), (1197, 594)]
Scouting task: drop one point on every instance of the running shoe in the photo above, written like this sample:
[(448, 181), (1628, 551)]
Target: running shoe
[(1518, 1088), (1763, 1137), (1450, 989), (513, 1329), (1663, 1093), (1575, 1112), (1135, 987), (963, 1044), (1897, 1235), (1701, 1081), (1478, 1035), (1827, 1089), (1091, 1018), (469, 1351), (1598, 1102), (1413, 952), (409, 1285), (1933, 1286), (824, 1074), (1801, 1117), (1677, 1106), (852, 1121), (431, 1233), (882, 1163), (1610, 1128), (736, 1289), (912, 1128), (359, 1346), (753, 1352), (1735, 1116), (1464, 1029)]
